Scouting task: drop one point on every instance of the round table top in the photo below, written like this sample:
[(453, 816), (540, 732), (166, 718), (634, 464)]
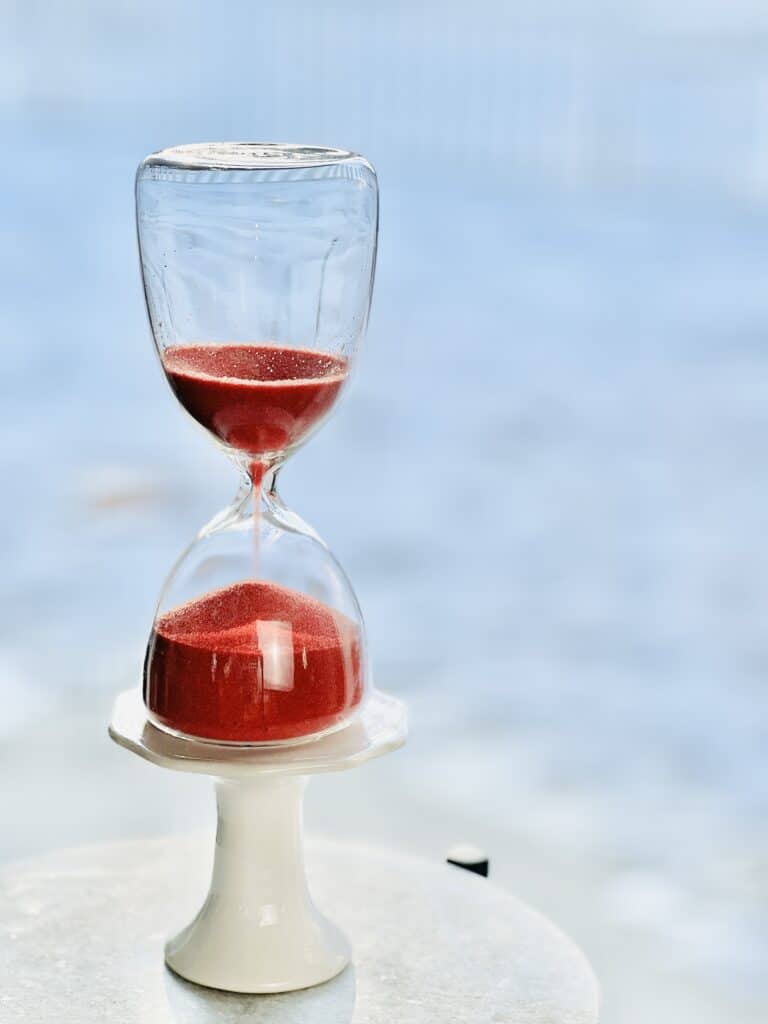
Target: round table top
[(82, 932)]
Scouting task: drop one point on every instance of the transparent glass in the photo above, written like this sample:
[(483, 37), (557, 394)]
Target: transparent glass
[(258, 264)]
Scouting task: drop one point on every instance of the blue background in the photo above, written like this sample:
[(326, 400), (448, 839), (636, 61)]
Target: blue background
[(548, 482)]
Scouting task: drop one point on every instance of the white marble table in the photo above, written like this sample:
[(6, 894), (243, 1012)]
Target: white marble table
[(82, 932)]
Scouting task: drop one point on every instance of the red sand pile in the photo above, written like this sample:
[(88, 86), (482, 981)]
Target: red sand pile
[(253, 662)]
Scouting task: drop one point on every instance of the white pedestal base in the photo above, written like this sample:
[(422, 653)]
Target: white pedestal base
[(258, 930)]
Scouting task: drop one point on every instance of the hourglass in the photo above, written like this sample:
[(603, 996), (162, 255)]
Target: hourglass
[(258, 264)]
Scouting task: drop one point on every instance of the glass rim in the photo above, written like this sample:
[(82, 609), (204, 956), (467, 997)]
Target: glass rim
[(246, 156)]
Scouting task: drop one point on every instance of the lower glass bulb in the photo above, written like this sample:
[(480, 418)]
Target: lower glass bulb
[(258, 636)]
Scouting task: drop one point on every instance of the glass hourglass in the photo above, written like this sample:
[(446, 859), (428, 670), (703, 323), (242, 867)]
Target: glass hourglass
[(258, 264)]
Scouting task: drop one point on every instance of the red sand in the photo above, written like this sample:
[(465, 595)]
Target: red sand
[(259, 399), (253, 662)]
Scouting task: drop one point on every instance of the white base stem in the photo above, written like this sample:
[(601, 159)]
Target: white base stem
[(258, 930)]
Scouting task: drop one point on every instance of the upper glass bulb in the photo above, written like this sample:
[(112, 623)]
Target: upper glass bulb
[(258, 264)]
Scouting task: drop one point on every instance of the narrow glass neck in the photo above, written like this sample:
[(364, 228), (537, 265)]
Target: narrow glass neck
[(257, 483), (253, 507)]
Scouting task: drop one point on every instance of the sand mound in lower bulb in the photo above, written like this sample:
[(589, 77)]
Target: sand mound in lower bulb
[(253, 662)]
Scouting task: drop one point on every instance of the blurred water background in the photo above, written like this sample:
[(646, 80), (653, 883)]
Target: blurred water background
[(549, 482)]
